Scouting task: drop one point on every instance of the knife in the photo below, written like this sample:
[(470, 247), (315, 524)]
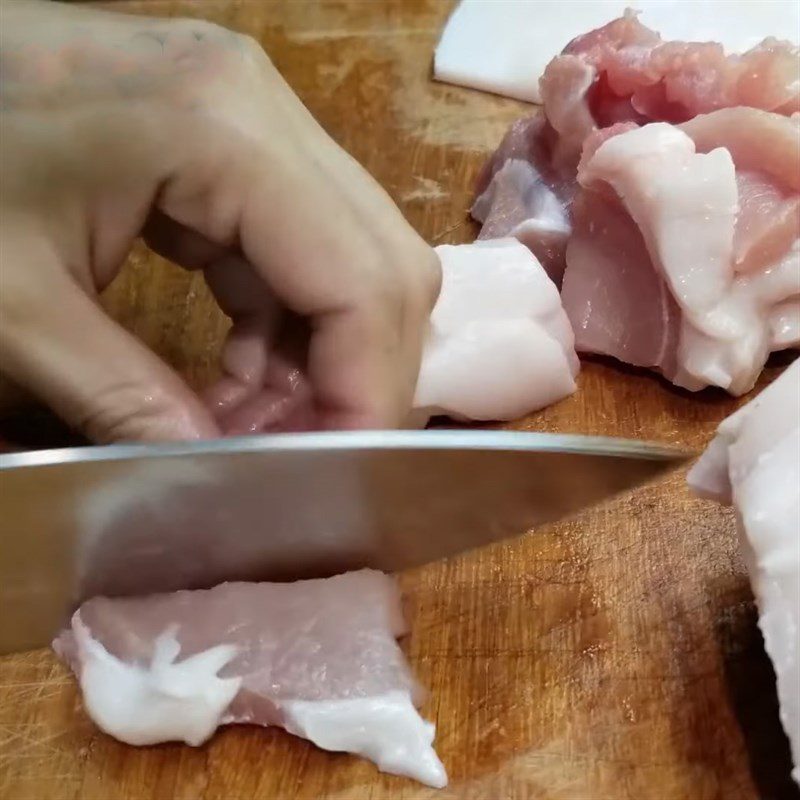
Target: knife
[(143, 518)]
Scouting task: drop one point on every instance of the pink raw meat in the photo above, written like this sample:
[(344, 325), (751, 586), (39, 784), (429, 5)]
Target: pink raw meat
[(621, 73), (596, 138), (757, 141), (521, 195), (284, 403), (766, 151), (519, 203), (701, 260), (768, 220), (528, 139), (341, 644), (615, 300), (625, 72), (294, 648)]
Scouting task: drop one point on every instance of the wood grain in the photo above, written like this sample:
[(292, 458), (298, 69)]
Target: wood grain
[(612, 656)]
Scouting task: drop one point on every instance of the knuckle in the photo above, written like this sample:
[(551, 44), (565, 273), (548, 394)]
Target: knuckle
[(376, 279), (407, 288), (191, 40), (429, 276), (398, 293), (379, 306), (422, 273), (206, 53), (249, 46), (389, 289), (237, 53), (129, 412)]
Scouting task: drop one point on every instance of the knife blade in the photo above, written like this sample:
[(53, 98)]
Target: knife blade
[(143, 518)]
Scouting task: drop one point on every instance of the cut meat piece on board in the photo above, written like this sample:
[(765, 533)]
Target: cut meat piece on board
[(754, 464), (503, 46), (622, 73), (625, 72), (318, 658), (500, 344), (658, 215), (519, 203), (616, 301), (766, 151), (520, 194)]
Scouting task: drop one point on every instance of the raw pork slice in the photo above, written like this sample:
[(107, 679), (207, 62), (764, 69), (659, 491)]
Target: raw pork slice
[(500, 344), (754, 464), (625, 72), (622, 74), (318, 658), (503, 46), (685, 256), (520, 194)]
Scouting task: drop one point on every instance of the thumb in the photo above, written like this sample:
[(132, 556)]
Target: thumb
[(59, 344)]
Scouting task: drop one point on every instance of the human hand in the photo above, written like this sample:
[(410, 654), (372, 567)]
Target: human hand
[(116, 126)]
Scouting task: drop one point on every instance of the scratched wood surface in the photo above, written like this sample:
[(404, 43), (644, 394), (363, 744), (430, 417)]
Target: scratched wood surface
[(613, 656)]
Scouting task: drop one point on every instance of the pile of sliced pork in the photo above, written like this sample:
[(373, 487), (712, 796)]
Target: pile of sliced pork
[(660, 186), (660, 189)]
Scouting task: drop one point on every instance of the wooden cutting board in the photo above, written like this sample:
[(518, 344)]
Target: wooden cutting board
[(613, 656)]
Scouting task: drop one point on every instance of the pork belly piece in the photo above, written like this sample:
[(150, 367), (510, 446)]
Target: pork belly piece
[(500, 344), (754, 464), (616, 301), (317, 657), (620, 74), (685, 257), (503, 46), (521, 194), (625, 72)]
